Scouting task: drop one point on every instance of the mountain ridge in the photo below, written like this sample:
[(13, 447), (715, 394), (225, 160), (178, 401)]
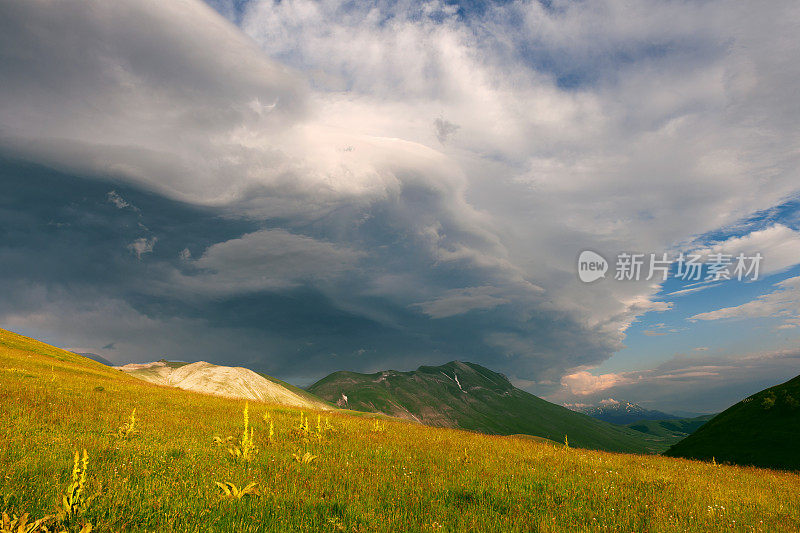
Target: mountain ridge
[(226, 381), (624, 412), (468, 396)]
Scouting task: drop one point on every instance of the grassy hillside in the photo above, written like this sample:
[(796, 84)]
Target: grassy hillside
[(762, 430), (469, 396), (670, 431), (368, 474)]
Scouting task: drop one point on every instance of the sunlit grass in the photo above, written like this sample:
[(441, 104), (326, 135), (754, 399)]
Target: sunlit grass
[(366, 474)]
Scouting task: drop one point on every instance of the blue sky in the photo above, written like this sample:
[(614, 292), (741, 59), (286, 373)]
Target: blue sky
[(302, 187), (678, 333)]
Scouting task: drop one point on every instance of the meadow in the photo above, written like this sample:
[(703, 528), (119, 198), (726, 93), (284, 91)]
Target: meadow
[(185, 463)]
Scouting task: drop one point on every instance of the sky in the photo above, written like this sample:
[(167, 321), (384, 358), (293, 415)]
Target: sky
[(302, 187)]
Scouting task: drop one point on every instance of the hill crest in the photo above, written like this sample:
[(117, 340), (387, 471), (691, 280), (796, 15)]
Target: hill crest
[(226, 381), (761, 430), (469, 396)]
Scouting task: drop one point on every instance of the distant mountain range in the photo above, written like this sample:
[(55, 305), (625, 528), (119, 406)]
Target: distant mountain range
[(688, 414), (233, 382), (623, 412), (761, 430), (469, 396)]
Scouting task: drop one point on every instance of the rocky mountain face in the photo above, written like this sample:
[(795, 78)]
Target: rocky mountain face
[(232, 382)]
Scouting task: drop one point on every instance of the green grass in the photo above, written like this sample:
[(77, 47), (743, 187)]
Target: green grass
[(405, 477)]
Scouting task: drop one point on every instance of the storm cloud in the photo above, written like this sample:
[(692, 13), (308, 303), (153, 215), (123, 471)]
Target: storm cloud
[(272, 193)]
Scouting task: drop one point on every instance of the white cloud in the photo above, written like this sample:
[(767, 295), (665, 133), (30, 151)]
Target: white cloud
[(608, 165), (138, 92), (142, 246), (778, 244), (692, 290), (118, 201), (783, 303), (584, 383)]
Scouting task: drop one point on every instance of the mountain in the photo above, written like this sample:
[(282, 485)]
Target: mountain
[(623, 412), (665, 433), (469, 396), (688, 414), (761, 430), (231, 382), (98, 358)]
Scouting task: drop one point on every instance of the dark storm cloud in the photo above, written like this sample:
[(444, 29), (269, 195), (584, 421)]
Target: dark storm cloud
[(281, 301), (174, 191)]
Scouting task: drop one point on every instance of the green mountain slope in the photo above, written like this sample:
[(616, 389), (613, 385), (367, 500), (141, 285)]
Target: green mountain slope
[(762, 430), (665, 433), (469, 396)]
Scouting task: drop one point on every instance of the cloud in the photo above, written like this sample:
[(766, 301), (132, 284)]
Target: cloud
[(698, 383), (579, 127), (444, 129), (266, 260), (142, 246), (118, 201), (458, 301), (692, 290), (778, 244), (139, 96), (583, 383), (74, 323), (782, 303)]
